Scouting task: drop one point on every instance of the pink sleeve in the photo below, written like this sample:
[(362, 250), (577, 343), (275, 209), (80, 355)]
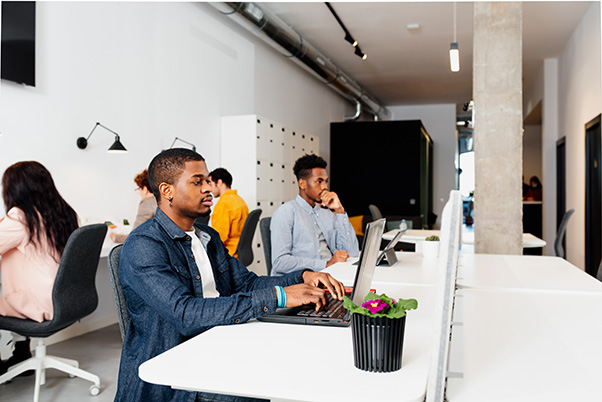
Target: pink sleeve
[(12, 231)]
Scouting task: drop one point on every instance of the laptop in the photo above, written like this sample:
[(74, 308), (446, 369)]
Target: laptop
[(388, 256), (334, 314)]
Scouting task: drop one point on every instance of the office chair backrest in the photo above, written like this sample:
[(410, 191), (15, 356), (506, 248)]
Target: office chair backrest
[(74, 291), (558, 247), (203, 220), (375, 212), (122, 310), (245, 243), (266, 238)]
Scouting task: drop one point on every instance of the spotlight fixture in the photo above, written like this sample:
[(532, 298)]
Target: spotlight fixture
[(348, 36), (117, 146), (454, 52), (350, 39), (361, 54), (186, 142)]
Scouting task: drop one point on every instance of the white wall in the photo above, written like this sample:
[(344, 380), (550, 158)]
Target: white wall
[(580, 100), (440, 122), (151, 72)]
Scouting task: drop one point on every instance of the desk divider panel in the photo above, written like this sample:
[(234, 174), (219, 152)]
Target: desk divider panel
[(451, 221)]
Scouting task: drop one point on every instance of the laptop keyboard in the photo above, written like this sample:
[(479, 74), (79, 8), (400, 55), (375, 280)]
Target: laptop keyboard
[(333, 309)]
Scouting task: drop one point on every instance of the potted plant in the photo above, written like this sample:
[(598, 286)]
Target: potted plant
[(377, 328), (430, 246)]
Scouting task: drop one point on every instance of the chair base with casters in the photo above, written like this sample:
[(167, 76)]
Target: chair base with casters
[(41, 361)]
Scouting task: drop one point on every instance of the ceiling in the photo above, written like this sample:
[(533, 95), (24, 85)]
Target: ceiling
[(406, 67)]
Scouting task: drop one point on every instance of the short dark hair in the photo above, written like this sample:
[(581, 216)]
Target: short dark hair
[(168, 166), (306, 163), (223, 175)]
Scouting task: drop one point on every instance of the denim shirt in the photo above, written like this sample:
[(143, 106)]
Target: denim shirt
[(164, 294), (295, 230)]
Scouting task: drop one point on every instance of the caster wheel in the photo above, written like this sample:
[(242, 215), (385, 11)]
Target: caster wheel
[(94, 390), (71, 376)]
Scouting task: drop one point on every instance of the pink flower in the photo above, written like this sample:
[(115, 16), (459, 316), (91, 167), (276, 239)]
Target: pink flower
[(375, 306)]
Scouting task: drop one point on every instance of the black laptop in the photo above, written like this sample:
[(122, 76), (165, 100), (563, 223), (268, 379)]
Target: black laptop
[(334, 314)]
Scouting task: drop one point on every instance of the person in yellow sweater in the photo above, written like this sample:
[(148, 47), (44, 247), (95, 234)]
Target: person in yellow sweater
[(230, 212)]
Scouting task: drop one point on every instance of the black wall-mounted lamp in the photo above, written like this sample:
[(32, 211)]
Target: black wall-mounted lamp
[(186, 142), (117, 146)]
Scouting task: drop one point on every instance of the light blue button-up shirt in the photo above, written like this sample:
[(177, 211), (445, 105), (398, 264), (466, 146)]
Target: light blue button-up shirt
[(295, 231)]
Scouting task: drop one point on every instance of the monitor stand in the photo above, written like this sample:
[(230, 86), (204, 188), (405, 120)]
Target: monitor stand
[(390, 258)]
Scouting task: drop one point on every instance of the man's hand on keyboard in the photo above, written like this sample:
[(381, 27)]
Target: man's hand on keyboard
[(298, 295), (322, 279)]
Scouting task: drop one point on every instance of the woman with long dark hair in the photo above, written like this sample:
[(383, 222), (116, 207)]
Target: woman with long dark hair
[(33, 235)]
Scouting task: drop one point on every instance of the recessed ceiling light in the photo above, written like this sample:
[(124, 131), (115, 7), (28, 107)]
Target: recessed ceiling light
[(413, 27)]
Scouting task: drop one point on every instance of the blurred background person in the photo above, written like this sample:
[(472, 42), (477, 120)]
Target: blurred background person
[(535, 190), (33, 235), (146, 207), (230, 212)]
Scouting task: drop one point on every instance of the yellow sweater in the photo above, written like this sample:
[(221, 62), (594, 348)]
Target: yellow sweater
[(228, 219)]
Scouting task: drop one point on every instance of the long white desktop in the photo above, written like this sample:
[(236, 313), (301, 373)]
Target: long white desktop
[(530, 332), (418, 235), (285, 362)]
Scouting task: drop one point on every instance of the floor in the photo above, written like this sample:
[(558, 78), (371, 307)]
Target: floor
[(97, 352)]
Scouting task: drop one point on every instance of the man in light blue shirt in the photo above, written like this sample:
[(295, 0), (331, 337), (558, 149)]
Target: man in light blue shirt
[(312, 231)]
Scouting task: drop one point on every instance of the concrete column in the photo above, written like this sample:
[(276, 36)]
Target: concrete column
[(498, 122)]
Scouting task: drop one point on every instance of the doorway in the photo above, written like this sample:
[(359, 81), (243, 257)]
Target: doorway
[(593, 196), (560, 184)]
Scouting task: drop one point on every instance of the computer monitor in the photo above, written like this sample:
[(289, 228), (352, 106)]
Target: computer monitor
[(388, 256)]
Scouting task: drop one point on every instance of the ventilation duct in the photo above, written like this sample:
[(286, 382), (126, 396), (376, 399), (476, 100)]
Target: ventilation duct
[(289, 43)]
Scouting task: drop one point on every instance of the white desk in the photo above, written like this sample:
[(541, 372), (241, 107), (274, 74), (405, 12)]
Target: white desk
[(518, 272), (415, 236), (282, 362), (410, 269), (527, 347), (481, 271), (107, 246), (531, 332)]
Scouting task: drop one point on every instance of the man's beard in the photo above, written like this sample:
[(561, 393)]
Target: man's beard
[(204, 214)]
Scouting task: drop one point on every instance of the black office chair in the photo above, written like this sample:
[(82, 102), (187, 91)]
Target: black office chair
[(245, 243), (203, 220), (375, 212), (266, 238), (123, 315), (73, 297), (558, 247)]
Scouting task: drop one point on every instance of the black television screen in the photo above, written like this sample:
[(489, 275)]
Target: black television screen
[(18, 41)]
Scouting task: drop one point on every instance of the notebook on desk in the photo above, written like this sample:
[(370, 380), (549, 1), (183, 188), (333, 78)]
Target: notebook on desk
[(334, 314)]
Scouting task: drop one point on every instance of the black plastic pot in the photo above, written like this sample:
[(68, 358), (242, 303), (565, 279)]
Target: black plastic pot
[(377, 342)]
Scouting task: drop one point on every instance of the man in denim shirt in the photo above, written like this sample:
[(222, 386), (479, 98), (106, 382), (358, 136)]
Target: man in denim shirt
[(179, 280), (312, 231)]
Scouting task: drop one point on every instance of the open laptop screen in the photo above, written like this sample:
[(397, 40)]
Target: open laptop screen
[(365, 273)]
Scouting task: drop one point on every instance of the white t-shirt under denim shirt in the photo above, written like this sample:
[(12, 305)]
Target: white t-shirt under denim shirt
[(204, 265)]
